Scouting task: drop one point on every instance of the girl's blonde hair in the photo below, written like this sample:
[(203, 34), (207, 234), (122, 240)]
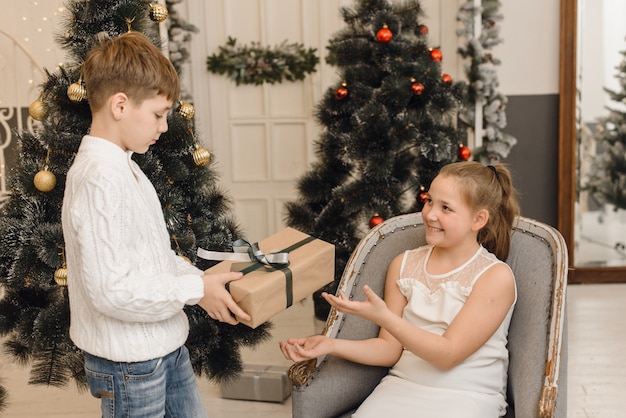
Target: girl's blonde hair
[(129, 63), (491, 188)]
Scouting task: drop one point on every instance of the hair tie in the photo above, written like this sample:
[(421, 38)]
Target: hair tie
[(493, 169)]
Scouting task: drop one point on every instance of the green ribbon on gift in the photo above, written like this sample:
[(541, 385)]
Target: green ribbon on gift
[(248, 268)]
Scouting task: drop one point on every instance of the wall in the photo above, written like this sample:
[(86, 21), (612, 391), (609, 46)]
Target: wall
[(533, 120), (529, 76), (26, 49)]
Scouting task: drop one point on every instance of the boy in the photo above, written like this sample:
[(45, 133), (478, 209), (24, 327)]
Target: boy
[(127, 288)]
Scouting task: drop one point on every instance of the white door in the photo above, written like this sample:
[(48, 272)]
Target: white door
[(261, 136)]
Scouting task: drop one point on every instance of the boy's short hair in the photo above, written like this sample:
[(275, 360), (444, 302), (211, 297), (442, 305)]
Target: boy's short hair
[(129, 63)]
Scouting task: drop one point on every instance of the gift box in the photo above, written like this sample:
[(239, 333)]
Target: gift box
[(259, 383), (266, 290)]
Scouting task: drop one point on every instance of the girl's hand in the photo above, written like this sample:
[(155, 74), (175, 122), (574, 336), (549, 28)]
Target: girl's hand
[(371, 309), (298, 349)]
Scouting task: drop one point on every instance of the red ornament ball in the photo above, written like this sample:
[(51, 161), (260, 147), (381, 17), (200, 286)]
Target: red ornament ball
[(436, 54), (423, 196), (418, 88), (423, 29), (384, 35), (464, 152), (341, 93), (375, 220), (447, 78)]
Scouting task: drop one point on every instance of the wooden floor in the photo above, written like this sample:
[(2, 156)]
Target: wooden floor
[(596, 372)]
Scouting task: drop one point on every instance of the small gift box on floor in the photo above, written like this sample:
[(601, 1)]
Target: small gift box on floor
[(259, 383), (280, 270)]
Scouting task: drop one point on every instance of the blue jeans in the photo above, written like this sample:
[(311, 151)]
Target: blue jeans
[(163, 387)]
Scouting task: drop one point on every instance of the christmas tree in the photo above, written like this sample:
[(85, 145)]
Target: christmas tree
[(607, 178), (34, 312), (389, 125), (482, 87)]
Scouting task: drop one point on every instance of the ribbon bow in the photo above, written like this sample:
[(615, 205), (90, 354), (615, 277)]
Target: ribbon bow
[(246, 252)]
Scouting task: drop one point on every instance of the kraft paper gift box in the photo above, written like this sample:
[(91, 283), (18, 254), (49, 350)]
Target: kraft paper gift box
[(266, 291), (259, 383)]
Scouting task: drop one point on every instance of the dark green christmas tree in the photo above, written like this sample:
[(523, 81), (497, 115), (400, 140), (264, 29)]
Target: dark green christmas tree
[(607, 179), (389, 125), (34, 312)]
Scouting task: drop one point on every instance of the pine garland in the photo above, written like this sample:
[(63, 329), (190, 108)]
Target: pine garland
[(256, 64)]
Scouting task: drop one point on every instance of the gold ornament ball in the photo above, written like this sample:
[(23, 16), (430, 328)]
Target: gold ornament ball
[(60, 276), (186, 110), (37, 110), (45, 180), (201, 156), (76, 92), (158, 12)]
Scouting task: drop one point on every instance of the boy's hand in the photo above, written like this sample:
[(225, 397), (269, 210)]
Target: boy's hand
[(217, 302)]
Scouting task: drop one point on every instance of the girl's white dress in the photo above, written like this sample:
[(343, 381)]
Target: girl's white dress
[(475, 388)]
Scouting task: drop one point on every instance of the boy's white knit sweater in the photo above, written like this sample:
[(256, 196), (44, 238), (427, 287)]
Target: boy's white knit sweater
[(127, 288)]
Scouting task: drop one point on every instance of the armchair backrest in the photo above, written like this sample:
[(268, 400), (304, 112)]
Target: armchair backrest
[(537, 334), (538, 257)]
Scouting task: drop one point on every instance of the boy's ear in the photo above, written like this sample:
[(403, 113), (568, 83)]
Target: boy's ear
[(118, 104), (480, 219)]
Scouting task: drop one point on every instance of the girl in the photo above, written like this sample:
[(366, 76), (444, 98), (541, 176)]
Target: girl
[(445, 318)]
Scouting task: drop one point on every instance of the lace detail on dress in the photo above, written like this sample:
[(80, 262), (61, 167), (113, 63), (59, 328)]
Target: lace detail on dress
[(463, 277)]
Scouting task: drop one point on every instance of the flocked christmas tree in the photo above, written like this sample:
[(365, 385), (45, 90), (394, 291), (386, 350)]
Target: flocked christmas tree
[(607, 178), (34, 313), (388, 126), (482, 86)]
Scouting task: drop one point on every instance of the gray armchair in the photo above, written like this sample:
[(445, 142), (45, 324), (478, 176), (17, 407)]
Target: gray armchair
[(537, 385)]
